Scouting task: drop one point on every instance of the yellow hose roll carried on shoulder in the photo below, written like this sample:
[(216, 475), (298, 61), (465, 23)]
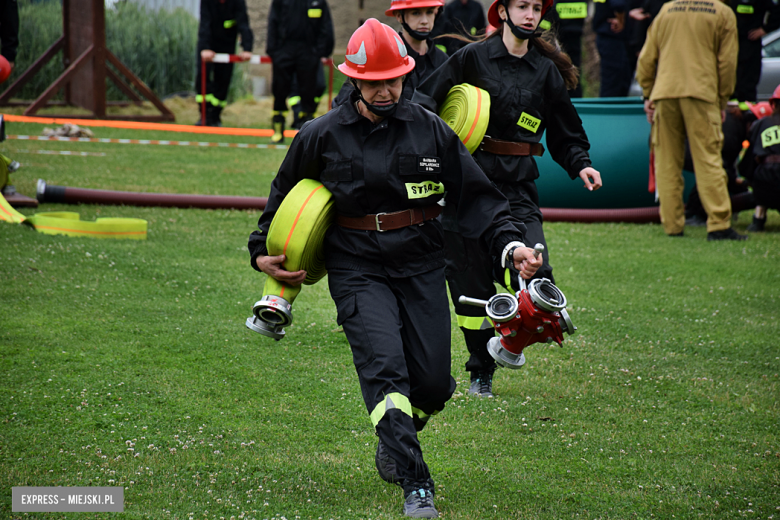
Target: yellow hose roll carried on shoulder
[(467, 111), (297, 231)]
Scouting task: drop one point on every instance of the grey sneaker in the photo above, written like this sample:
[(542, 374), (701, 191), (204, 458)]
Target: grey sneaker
[(482, 383), (418, 500), (385, 464), (13, 166)]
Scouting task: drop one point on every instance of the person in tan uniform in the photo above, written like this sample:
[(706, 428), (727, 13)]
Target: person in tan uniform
[(687, 70)]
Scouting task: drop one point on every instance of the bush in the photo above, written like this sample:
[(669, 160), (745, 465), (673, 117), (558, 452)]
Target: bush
[(157, 46)]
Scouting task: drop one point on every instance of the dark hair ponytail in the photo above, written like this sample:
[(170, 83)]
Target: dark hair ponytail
[(550, 48)]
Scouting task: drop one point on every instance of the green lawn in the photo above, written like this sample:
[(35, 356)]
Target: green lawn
[(127, 363)]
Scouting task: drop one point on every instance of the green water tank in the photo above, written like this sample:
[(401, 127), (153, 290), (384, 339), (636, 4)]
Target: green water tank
[(619, 134)]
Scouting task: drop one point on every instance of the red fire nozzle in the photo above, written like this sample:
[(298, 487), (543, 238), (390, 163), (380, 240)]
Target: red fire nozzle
[(536, 314)]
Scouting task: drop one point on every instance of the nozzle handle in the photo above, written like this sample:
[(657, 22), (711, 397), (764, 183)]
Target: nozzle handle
[(472, 301), (538, 250)]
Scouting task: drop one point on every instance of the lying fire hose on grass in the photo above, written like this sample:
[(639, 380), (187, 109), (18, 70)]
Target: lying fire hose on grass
[(297, 231), (70, 224), (535, 314), (467, 111)]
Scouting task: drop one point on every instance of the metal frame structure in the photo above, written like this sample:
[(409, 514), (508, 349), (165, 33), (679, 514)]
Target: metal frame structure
[(86, 58)]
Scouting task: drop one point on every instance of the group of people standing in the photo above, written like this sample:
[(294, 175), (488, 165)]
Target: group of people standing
[(393, 246)]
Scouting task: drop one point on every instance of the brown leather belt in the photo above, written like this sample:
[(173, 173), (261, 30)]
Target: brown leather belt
[(499, 147), (770, 159), (388, 221)]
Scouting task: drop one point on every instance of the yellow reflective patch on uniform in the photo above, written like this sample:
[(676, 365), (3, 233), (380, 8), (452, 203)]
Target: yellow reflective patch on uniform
[(424, 189), (473, 31), (474, 322), (391, 400), (745, 9), (572, 11), (545, 25), (599, 1), (529, 122), (227, 24), (315, 13), (770, 136)]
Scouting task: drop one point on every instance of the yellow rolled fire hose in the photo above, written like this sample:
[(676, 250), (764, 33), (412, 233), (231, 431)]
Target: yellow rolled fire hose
[(467, 111), (69, 223), (297, 231)]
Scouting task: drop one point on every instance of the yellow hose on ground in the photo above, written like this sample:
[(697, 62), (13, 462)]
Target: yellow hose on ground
[(70, 224), (297, 231), (467, 111)]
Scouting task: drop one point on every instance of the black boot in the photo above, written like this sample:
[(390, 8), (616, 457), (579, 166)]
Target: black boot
[(758, 224), (213, 115), (278, 124)]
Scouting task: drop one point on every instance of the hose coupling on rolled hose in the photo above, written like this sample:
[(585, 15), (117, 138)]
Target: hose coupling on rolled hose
[(270, 316), (535, 314)]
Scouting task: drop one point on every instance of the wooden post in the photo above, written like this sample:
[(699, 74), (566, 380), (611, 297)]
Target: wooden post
[(84, 79)]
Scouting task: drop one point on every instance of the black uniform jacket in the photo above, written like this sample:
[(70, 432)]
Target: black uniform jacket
[(424, 65), (411, 159), (751, 14), (527, 96), (300, 21), (221, 21), (9, 29), (764, 141)]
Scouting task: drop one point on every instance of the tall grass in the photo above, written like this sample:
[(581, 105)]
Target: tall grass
[(158, 46)]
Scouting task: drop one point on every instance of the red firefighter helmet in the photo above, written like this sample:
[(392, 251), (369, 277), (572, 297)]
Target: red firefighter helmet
[(776, 93), (495, 20), (400, 5), (762, 109), (5, 68), (376, 52)]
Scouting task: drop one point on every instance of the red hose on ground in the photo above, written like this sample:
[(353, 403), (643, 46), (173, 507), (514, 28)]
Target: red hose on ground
[(69, 195), (739, 202)]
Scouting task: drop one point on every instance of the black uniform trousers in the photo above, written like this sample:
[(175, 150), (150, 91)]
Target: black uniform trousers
[(748, 70), (218, 77), (471, 271), (399, 332), (295, 60), (615, 66), (571, 41)]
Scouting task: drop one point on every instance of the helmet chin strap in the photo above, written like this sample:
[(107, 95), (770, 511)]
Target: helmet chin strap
[(520, 33), (381, 111), (414, 34)]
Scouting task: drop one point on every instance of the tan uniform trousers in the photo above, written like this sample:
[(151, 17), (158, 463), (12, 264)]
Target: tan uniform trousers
[(700, 121)]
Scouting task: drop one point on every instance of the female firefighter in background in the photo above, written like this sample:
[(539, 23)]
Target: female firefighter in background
[(387, 163), (417, 18), (526, 77)]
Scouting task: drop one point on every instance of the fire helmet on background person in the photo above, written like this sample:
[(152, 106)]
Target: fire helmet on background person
[(496, 21), (402, 5), (5, 68)]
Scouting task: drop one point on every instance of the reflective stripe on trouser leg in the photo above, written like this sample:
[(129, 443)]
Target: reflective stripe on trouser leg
[(391, 401), (399, 333)]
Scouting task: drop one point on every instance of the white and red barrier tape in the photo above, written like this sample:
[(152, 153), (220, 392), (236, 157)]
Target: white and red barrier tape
[(158, 142)]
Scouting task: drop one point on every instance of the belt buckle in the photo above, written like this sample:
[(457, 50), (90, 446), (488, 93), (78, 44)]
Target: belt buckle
[(378, 223)]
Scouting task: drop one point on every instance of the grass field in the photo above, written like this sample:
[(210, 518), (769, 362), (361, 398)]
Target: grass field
[(126, 363)]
